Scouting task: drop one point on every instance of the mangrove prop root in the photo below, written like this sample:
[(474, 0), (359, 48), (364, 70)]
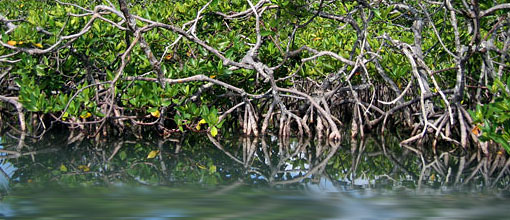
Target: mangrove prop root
[(282, 99)]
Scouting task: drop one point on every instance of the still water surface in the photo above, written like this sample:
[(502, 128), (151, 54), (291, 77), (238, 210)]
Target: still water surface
[(197, 177)]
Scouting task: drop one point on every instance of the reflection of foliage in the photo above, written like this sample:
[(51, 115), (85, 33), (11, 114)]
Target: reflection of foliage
[(80, 178), (196, 160), (87, 162), (370, 162)]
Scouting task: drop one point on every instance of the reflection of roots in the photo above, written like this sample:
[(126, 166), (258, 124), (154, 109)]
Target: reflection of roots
[(272, 161)]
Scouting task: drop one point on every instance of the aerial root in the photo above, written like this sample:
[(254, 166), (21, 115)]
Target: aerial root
[(441, 127), (249, 120), (267, 118), (19, 108)]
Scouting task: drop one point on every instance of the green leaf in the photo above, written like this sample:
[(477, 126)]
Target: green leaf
[(166, 102), (377, 13), (122, 155), (229, 53), (212, 169), (265, 33), (214, 131)]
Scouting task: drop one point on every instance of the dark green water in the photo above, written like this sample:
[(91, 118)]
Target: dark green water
[(194, 177)]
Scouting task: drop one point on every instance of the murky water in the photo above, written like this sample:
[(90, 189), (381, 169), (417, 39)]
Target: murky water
[(197, 177)]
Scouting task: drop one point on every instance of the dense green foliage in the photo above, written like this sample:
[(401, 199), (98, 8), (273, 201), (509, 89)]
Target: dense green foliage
[(305, 67), (493, 119)]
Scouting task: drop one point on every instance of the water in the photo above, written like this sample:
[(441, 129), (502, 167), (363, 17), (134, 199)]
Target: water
[(196, 177)]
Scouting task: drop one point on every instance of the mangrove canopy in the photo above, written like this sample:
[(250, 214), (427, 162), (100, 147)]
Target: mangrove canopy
[(437, 70)]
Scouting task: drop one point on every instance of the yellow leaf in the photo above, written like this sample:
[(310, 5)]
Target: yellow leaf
[(188, 53), (87, 115), (201, 122), (64, 117), (201, 166), (63, 168), (152, 154), (214, 131), (156, 113), (20, 42), (212, 76), (38, 45), (84, 168), (12, 43), (212, 169), (317, 38)]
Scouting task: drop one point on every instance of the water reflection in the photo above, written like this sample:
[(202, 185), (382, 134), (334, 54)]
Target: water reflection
[(201, 177), (370, 163), (6, 169)]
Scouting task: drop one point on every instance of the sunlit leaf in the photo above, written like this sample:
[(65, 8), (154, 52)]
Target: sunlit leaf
[(152, 154), (63, 168), (86, 115), (201, 166), (84, 168), (156, 113), (65, 116), (12, 43), (212, 169), (214, 131)]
